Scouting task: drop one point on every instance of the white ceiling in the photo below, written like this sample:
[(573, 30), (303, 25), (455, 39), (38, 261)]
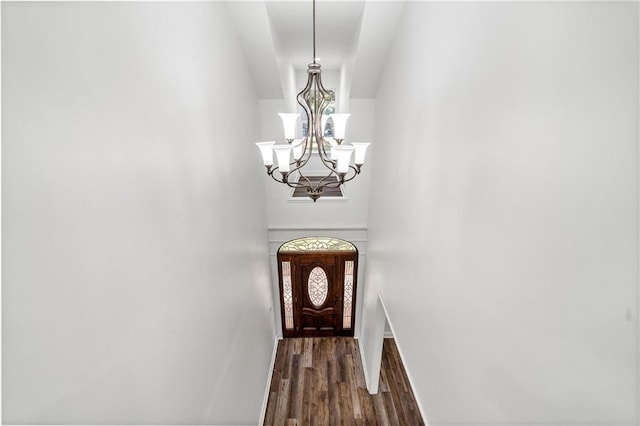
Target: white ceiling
[(337, 30), (352, 42)]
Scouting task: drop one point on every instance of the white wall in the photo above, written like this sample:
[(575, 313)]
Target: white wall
[(135, 262), (352, 213), (505, 247)]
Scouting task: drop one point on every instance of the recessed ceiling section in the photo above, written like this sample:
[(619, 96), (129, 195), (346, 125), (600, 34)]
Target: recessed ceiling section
[(378, 29), (253, 28), (352, 41), (337, 31)]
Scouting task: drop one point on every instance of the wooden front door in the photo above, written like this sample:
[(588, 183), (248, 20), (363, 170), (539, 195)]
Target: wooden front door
[(317, 293), (318, 297)]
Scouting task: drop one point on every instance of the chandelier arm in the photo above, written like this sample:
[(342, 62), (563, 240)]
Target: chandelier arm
[(300, 99), (340, 181), (308, 184), (327, 163), (331, 184), (325, 101), (326, 158), (356, 173), (304, 90), (298, 168), (297, 185), (273, 176), (303, 162), (320, 184), (294, 185), (306, 156), (305, 141)]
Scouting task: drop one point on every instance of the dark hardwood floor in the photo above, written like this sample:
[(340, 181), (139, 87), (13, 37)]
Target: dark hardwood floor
[(319, 381)]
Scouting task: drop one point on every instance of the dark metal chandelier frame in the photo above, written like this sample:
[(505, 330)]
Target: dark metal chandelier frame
[(335, 156)]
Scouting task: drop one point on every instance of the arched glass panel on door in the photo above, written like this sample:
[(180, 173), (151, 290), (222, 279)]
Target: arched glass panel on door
[(317, 244), (318, 286)]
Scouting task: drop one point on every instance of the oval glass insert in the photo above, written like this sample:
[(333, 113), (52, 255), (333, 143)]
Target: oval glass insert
[(318, 286)]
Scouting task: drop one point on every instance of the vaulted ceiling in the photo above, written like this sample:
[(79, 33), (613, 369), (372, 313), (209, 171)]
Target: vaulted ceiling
[(352, 43)]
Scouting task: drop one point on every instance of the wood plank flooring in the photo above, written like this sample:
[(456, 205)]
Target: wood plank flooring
[(319, 381)]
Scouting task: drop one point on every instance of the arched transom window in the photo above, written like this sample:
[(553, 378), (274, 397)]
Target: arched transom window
[(317, 244)]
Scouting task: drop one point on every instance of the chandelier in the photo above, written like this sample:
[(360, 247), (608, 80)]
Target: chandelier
[(334, 154)]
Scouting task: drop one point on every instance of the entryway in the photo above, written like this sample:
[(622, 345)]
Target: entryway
[(317, 278)]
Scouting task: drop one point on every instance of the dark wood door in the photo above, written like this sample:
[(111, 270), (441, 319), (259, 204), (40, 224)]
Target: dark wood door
[(319, 297), (317, 293)]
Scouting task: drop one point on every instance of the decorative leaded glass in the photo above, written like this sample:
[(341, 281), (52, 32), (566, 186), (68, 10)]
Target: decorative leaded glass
[(318, 286), (287, 296), (316, 244), (348, 294)]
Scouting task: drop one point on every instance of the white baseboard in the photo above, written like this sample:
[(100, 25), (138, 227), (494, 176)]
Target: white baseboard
[(404, 365), (416, 397), (263, 411)]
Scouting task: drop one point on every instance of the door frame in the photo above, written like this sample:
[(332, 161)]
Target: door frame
[(295, 259)]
